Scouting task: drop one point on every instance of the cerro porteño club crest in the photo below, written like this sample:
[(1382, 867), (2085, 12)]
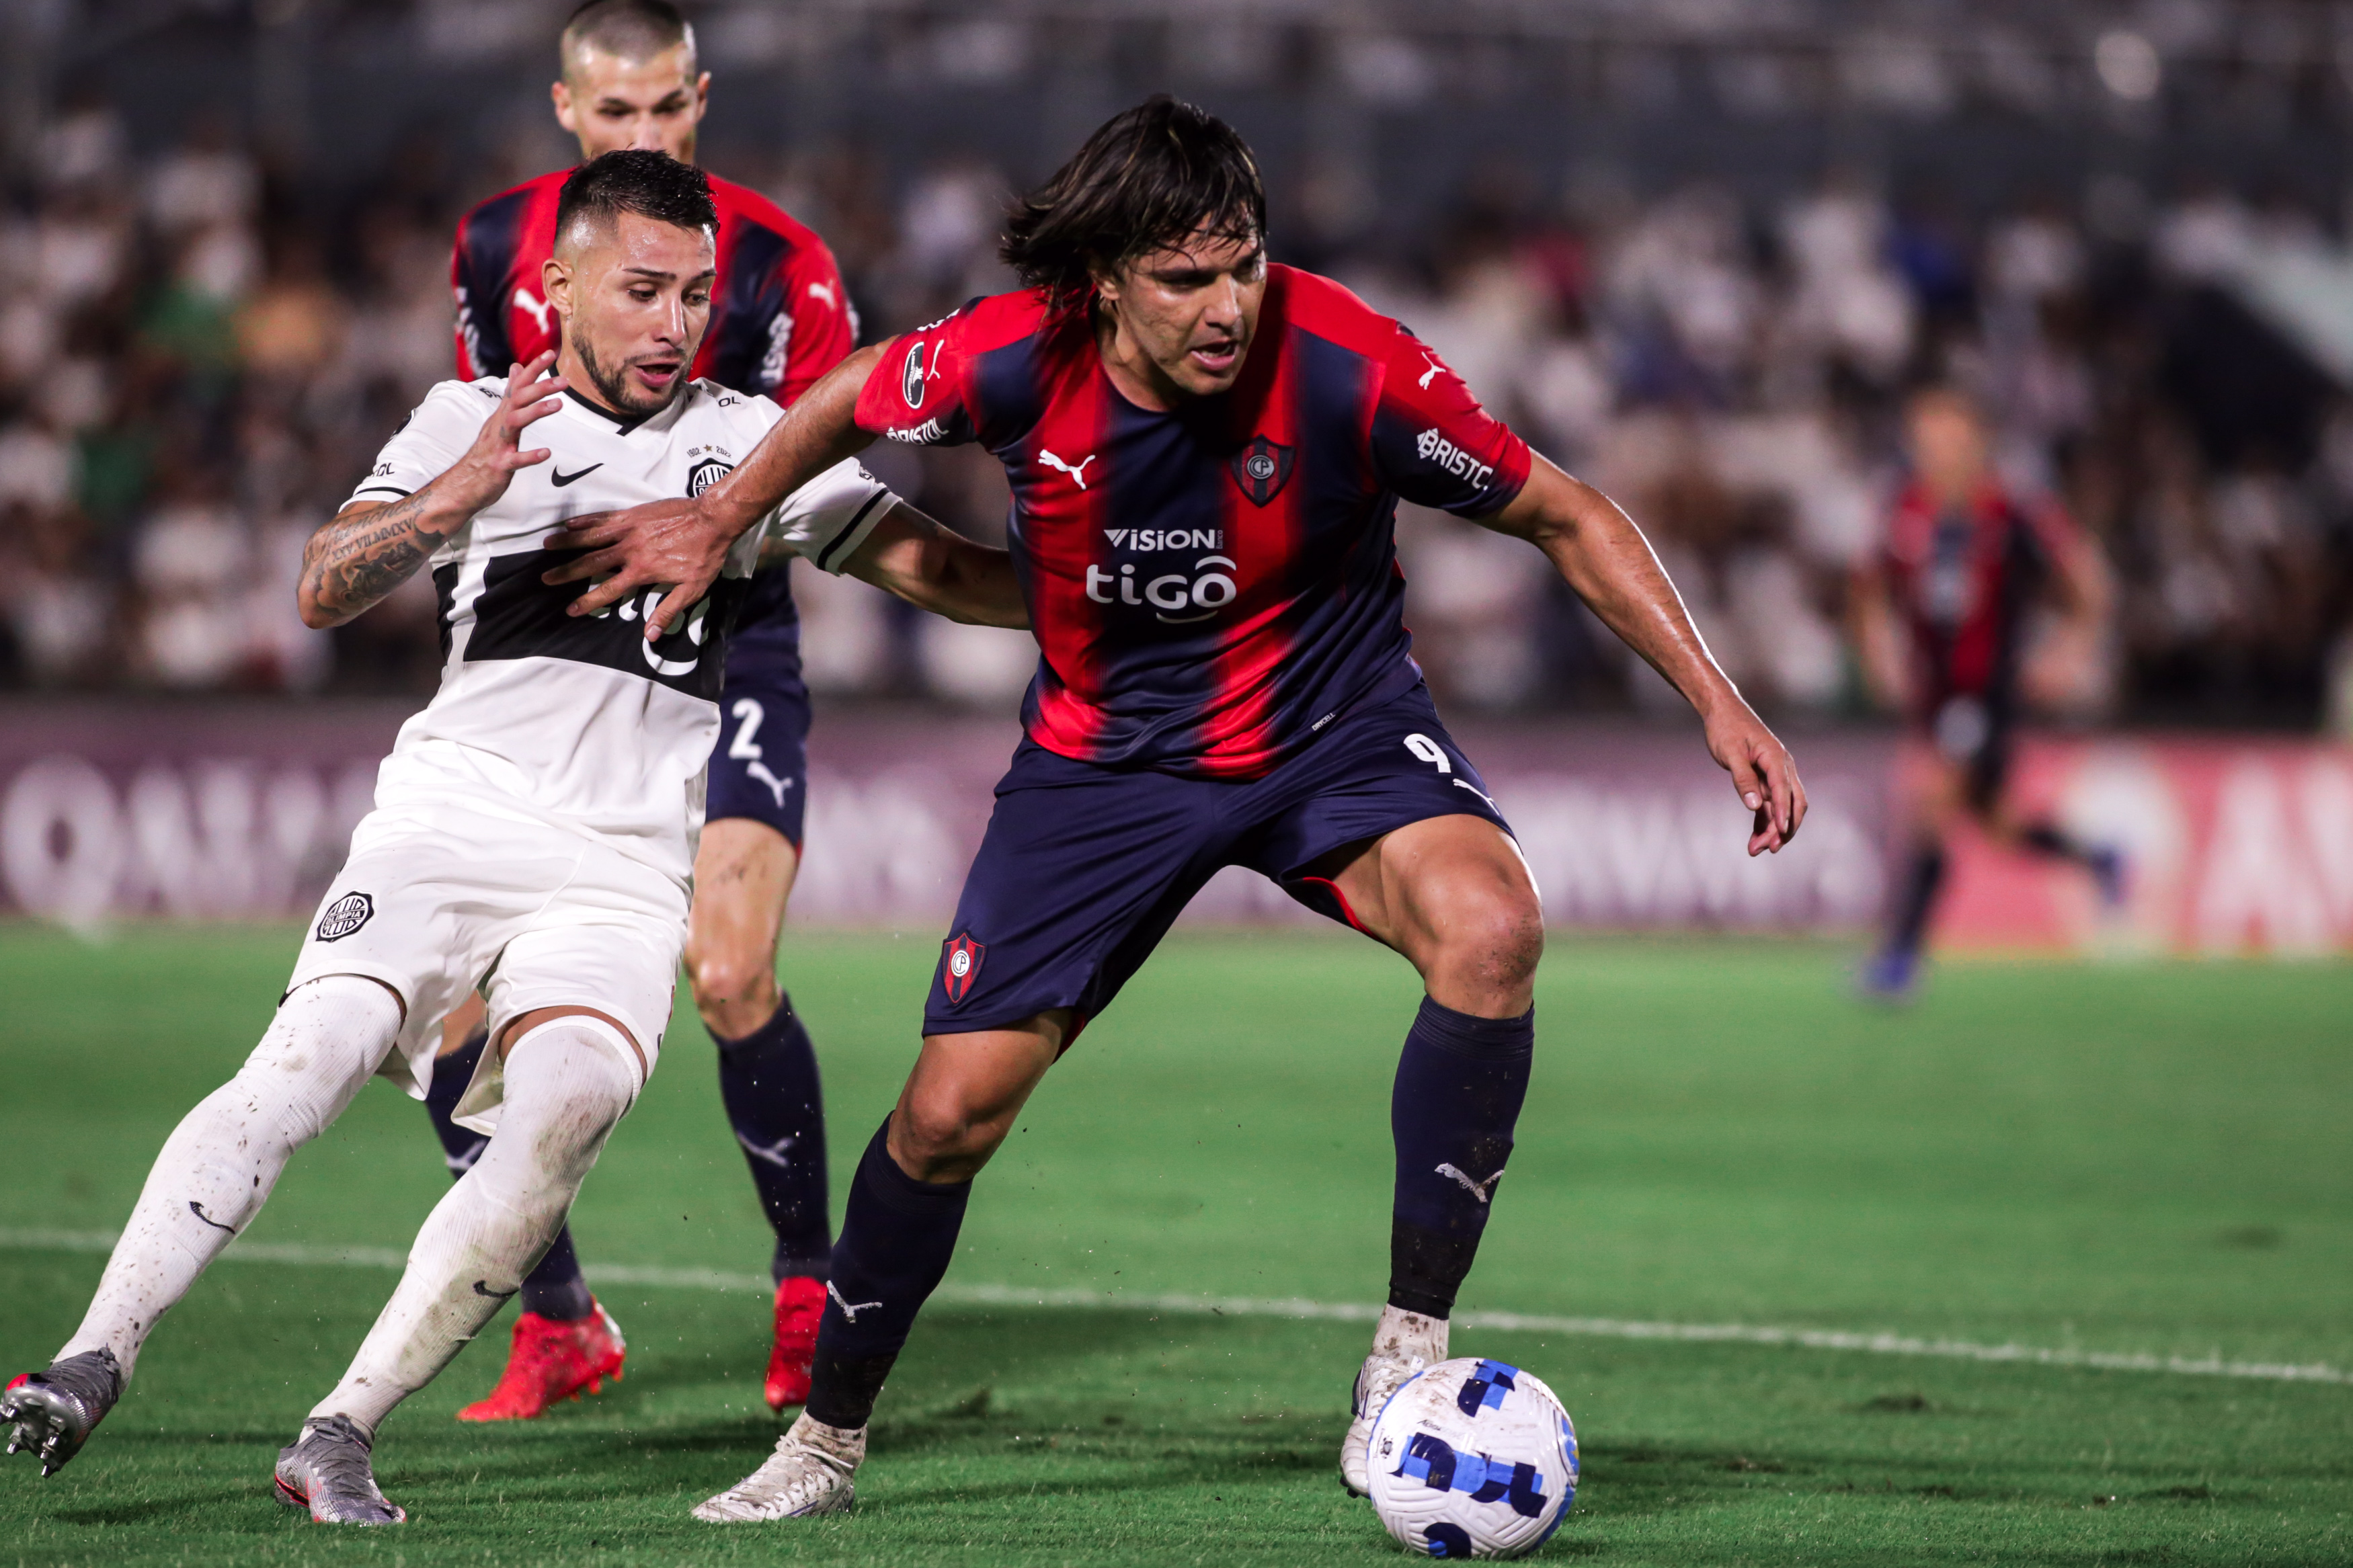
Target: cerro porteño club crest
[(1262, 469), (961, 967)]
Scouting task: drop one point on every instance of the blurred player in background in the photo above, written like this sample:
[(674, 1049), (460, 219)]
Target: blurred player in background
[(1205, 453), (1942, 618), (535, 828), (780, 318)]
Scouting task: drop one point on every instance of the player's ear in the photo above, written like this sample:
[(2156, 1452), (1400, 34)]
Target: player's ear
[(1106, 280), (555, 285), (702, 95), (560, 93)]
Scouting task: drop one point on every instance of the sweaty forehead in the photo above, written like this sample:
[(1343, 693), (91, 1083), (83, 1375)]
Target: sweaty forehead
[(634, 240)]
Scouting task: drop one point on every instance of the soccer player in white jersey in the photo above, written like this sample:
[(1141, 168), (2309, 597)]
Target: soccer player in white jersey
[(535, 827)]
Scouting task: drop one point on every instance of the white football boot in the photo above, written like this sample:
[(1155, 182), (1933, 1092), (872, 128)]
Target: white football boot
[(1403, 1344), (808, 1474)]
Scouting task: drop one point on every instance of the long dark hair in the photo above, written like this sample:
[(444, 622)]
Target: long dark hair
[(1147, 179)]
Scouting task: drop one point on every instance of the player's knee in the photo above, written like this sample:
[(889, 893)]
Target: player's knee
[(328, 1039), (722, 976), (1497, 937), (942, 1135)]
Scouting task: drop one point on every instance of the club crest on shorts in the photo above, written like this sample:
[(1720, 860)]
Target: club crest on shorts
[(344, 916), (961, 968), (1262, 469)]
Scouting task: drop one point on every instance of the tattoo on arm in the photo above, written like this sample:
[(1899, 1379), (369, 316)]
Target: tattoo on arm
[(352, 565)]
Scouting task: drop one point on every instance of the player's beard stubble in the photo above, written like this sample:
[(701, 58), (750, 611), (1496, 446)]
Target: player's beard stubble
[(612, 388)]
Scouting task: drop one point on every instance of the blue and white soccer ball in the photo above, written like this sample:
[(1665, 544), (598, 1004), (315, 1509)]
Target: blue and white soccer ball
[(1472, 1458)]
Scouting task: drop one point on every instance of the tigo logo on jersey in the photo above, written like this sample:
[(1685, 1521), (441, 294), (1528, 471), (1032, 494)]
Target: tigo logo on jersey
[(1262, 469), (911, 379), (1433, 447), (344, 916), (1211, 592), (961, 968)]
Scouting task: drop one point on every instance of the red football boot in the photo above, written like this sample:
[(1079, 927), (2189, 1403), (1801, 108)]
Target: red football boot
[(552, 1359), (799, 1304)]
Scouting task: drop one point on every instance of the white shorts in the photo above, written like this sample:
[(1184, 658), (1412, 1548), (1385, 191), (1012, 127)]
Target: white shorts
[(440, 899)]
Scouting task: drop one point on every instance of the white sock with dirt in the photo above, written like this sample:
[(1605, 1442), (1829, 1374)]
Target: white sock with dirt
[(219, 1164), (1409, 1338), (567, 1084)]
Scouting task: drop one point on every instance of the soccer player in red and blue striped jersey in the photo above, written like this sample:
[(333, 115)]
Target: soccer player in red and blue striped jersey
[(1942, 618), (1205, 455)]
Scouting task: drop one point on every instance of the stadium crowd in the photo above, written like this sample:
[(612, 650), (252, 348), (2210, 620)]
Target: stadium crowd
[(198, 361)]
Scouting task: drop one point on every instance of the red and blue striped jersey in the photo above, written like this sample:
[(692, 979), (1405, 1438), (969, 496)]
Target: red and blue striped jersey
[(1963, 578), (780, 317), (1213, 586)]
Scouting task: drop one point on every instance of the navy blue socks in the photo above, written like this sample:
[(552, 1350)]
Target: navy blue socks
[(768, 1082), (1921, 881), (1460, 1084), (554, 1288), (898, 1236)]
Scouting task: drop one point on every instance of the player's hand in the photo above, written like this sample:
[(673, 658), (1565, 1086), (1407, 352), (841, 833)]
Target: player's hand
[(1762, 771), (2063, 674), (489, 465), (674, 544)]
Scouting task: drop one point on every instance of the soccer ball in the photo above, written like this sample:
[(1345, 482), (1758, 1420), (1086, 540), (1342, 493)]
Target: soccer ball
[(1472, 1458)]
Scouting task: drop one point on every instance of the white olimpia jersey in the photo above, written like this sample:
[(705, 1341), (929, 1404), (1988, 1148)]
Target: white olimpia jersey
[(578, 720)]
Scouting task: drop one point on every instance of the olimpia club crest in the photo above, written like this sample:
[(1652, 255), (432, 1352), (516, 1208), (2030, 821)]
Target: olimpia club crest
[(344, 916), (705, 474), (1262, 469)]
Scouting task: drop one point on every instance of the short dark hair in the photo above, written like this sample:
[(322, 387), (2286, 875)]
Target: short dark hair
[(627, 30), (635, 180), (1146, 180)]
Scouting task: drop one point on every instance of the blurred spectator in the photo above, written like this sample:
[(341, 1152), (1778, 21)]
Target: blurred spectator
[(199, 360)]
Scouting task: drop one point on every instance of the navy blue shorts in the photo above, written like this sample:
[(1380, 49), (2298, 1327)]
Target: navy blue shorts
[(1084, 868), (759, 769)]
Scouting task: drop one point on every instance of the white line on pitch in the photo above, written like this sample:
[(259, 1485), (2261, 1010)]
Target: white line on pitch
[(979, 1295)]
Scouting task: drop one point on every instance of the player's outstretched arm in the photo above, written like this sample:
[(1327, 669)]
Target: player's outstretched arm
[(934, 568), (372, 547), (1603, 555), (682, 545)]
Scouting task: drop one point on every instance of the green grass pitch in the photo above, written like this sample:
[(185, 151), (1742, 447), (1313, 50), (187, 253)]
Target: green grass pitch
[(2138, 1160)]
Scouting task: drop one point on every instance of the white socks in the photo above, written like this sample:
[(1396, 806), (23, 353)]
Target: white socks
[(1409, 1338), (219, 1164), (567, 1083)]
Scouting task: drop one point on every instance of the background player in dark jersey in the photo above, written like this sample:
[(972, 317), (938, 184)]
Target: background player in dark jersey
[(1205, 454), (780, 318), (1941, 616)]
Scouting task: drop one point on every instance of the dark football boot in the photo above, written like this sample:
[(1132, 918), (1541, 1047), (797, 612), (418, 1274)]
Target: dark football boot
[(53, 1413), (328, 1472)]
